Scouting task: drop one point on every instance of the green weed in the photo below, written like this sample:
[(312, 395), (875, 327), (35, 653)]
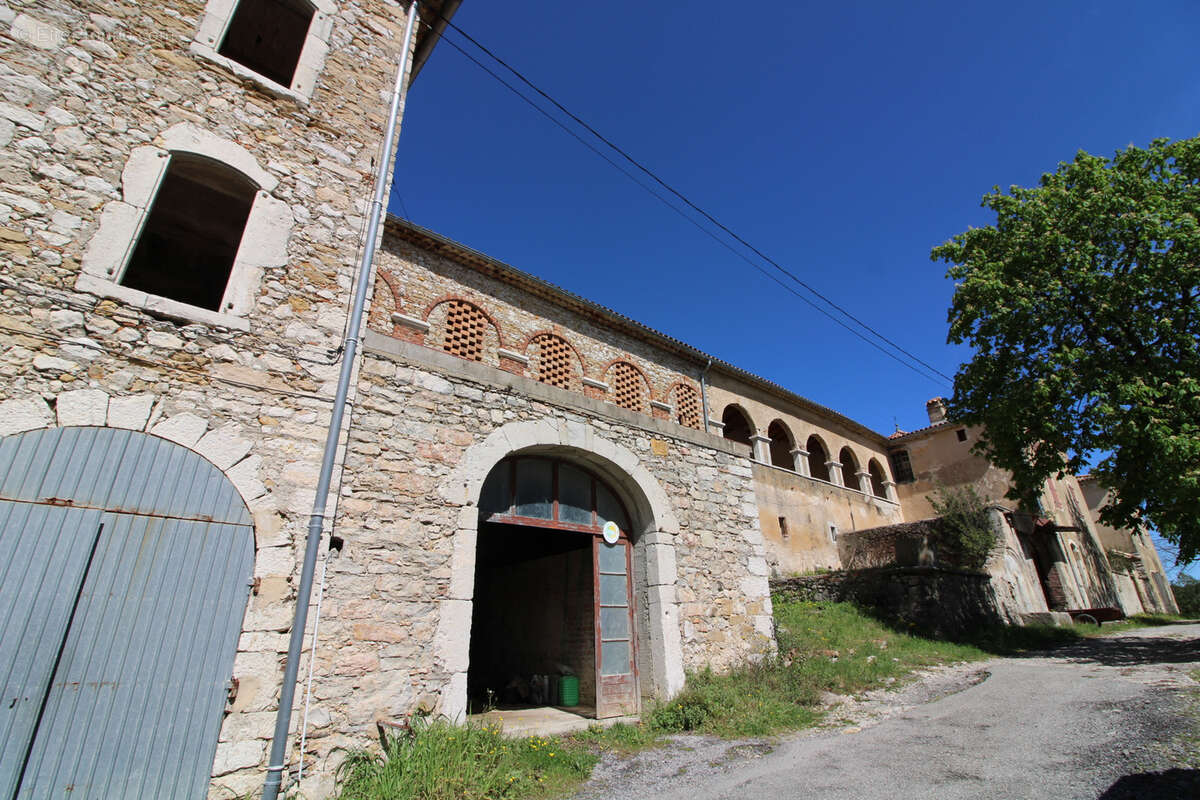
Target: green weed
[(441, 761)]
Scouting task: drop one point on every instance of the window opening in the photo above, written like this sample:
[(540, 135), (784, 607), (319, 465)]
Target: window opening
[(687, 407), (849, 469), (463, 336), (783, 528), (554, 358), (961, 433), (902, 467), (192, 233), (267, 36), (817, 456), (628, 387), (833, 532), (737, 428), (781, 445), (548, 493), (877, 478)]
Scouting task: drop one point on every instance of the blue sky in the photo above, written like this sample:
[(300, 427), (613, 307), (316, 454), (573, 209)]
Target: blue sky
[(842, 139)]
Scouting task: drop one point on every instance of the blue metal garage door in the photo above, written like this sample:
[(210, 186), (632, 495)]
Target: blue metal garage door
[(121, 600)]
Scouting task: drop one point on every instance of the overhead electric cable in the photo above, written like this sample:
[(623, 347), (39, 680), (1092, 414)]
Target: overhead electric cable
[(698, 225), (650, 173)]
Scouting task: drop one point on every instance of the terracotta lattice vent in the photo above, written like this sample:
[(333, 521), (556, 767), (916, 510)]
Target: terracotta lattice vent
[(465, 326), (628, 386), (553, 361), (687, 407)]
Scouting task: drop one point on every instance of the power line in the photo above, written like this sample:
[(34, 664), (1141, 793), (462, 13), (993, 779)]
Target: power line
[(683, 214), (654, 177)]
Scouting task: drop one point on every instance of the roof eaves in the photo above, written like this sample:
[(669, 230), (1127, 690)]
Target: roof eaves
[(435, 242)]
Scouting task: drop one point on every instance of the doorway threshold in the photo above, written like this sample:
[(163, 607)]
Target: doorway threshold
[(545, 720)]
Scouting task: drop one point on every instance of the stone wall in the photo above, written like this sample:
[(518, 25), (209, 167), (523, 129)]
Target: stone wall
[(933, 601), (818, 517), (427, 429), (82, 86)]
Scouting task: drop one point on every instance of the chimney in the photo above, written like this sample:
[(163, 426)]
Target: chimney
[(936, 409)]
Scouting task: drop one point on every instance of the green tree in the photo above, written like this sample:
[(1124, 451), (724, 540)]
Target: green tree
[(1187, 595), (1081, 304)]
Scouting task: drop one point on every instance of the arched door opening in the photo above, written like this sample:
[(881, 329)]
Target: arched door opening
[(553, 592), (128, 564)]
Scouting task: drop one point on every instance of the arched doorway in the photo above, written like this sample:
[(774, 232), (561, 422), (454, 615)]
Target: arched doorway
[(126, 575), (553, 590)]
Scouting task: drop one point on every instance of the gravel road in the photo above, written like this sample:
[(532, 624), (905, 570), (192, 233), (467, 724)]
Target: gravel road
[(1110, 718)]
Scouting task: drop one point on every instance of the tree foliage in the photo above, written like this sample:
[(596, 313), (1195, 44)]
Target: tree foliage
[(1081, 303)]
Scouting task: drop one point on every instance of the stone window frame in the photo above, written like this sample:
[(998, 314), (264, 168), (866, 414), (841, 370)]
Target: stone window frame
[(263, 245), (219, 13)]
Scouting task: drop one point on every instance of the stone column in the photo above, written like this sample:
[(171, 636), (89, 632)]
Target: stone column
[(835, 472), (864, 481), (889, 491), (761, 449), (800, 461)]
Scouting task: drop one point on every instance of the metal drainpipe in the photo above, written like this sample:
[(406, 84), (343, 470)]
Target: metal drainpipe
[(317, 519), (704, 394)]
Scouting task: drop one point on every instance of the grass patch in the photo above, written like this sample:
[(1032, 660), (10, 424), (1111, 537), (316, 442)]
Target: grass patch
[(619, 738), (441, 761), (823, 647)]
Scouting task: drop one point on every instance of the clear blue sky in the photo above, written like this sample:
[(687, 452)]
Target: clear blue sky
[(842, 139)]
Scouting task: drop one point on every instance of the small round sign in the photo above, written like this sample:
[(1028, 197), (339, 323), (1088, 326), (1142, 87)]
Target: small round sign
[(611, 532)]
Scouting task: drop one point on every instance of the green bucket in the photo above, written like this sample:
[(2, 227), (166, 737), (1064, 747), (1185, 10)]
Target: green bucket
[(568, 690)]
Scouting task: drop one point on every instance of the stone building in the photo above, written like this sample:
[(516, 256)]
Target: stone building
[(1060, 559), (528, 484)]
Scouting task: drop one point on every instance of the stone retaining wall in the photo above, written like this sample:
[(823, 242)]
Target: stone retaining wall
[(934, 601)]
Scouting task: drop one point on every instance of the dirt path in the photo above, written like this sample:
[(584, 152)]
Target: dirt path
[(1105, 718)]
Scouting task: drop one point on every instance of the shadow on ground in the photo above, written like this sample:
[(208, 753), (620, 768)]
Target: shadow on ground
[(1171, 784), (1129, 651)]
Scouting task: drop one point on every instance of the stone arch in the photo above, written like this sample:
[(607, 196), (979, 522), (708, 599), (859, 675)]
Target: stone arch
[(652, 519), (878, 476), (262, 244), (818, 456), (737, 426), (850, 469), (782, 444), (223, 447)]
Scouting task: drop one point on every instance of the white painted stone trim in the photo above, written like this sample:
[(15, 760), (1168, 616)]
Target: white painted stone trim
[(595, 384), (661, 406), (512, 355), (217, 15), (410, 322), (654, 519), (263, 245)]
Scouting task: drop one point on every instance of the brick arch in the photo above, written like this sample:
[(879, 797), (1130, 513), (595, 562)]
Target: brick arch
[(623, 394), (685, 393), (468, 336), (380, 313), (572, 379), (446, 298), (386, 276)]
